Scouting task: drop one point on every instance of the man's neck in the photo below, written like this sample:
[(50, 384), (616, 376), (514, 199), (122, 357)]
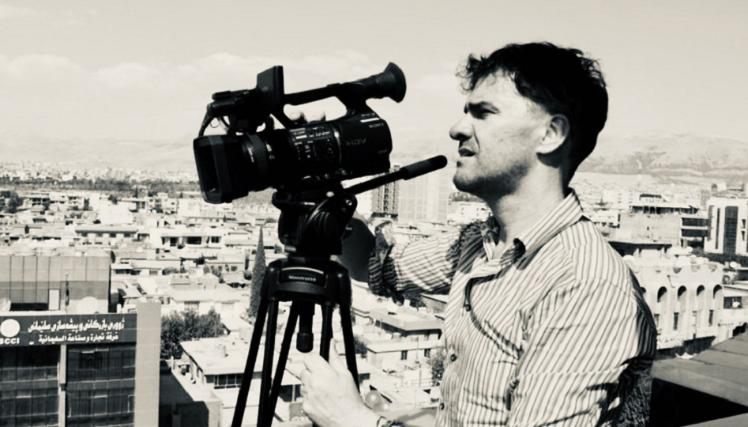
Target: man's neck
[(517, 212)]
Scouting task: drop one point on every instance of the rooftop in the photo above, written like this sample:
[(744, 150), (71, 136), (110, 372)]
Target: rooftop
[(407, 320), (720, 371)]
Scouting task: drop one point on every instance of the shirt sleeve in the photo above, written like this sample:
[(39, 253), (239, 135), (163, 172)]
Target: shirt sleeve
[(421, 266), (588, 358)]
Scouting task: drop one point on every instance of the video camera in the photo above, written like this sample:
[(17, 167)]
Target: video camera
[(253, 155)]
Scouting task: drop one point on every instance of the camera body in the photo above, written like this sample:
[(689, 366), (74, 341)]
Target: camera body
[(299, 156)]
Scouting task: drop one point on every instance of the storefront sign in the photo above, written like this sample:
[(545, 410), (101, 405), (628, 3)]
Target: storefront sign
[(67, 329)]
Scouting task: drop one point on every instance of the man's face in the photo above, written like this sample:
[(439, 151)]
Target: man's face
[(498, 135)]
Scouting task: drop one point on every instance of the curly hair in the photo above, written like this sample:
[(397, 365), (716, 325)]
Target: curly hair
[(560, 80)]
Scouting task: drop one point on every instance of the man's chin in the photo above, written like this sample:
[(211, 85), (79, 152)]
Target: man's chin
[(464, 184)]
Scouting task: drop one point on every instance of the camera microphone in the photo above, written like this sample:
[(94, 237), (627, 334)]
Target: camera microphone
[(410, 171)]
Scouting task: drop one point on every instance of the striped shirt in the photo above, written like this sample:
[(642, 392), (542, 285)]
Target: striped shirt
[(553, 330)]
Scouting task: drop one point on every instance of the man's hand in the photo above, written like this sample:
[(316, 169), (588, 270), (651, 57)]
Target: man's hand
[(384, 237), (330, 395)]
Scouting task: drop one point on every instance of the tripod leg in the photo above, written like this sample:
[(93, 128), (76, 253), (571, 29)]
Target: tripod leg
[(264, 419), (283, 356), (350, 348), (241, 400), (324, 345)]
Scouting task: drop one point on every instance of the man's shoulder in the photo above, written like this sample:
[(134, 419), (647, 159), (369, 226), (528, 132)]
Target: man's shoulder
[(591, 259)]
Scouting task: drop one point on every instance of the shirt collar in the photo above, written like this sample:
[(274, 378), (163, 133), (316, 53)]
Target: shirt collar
[(566, 213)]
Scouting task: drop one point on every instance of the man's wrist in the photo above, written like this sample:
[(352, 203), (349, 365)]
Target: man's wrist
[(367, 417)]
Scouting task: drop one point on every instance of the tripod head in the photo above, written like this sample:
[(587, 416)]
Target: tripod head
[(312, 221), (311, 225)]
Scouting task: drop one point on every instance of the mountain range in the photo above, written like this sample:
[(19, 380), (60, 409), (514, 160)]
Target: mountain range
[(655, 154)]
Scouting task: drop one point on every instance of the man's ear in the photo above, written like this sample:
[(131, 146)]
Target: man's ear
[(556, 133)]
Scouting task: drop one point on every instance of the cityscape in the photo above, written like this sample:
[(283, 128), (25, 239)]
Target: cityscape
[(125, 299)]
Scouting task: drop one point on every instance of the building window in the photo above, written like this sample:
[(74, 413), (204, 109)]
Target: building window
[(228, 381), (54, 299), (661, 295), (733, 302), (711, 317), (404, 355), (28, 386), (115, 361), (427, 352), (675, 321)]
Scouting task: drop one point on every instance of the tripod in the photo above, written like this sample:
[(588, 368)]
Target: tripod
[(306, 281), (311, 225)]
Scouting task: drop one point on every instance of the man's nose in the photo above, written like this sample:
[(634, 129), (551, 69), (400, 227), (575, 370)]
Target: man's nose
[(461, 130)]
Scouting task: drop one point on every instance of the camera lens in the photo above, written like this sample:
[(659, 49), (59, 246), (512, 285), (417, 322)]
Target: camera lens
[(229, 167)]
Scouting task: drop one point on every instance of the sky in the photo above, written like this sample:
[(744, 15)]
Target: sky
[(136, 70)]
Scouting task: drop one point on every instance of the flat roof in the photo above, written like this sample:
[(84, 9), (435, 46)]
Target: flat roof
[(191, 232), (218, 295), (635, 242), (224, 355), (400, 345), (407, 321), (720, 371), (106, 228)]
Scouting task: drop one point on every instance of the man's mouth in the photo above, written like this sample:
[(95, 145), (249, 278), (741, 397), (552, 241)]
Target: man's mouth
[(465, 152)]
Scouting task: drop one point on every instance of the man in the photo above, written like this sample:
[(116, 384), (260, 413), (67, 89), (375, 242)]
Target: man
[(545, 324)]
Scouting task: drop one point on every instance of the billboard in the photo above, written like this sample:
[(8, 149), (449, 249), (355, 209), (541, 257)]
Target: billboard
[(23, 330)]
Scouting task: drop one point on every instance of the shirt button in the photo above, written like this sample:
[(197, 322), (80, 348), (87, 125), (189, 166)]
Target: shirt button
[(453, 357), (442, 406)]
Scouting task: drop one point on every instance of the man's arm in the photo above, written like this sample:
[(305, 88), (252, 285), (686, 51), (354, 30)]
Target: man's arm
[(589, 352), (425, 265)]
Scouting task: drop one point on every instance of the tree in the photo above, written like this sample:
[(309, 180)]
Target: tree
[(437, 366), (360, 347), (258, 274), (186, 326), (172, 332), (169, 270), (14, 202)]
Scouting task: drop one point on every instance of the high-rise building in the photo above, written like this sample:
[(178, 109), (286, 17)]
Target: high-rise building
[(65, 358), (426, 198), (384, 199), (727, 226)]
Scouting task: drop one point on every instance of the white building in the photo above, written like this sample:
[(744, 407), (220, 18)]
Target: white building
[(727, 226), (425, 198), (686, 295)]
